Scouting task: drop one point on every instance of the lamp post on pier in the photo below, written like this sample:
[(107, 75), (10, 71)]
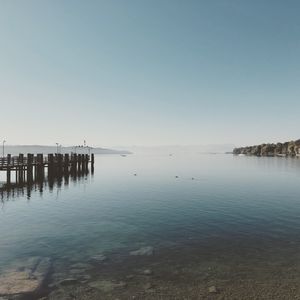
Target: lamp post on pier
[(4, 141)]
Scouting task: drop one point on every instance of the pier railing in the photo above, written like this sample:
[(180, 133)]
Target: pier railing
[(30, 159), (17, 161)]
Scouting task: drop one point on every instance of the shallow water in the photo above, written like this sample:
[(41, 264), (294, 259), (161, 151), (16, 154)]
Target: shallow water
[(220, 207)]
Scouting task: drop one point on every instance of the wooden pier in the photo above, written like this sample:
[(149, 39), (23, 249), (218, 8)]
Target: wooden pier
[(29, 168)]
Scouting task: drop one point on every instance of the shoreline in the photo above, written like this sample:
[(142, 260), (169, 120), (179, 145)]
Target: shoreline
[(286, 149)]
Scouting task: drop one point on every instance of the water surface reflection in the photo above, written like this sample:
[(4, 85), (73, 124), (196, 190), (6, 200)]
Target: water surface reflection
[(48, 182)]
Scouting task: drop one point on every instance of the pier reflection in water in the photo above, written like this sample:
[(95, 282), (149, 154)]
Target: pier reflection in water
[(40, 182), (40, 171)]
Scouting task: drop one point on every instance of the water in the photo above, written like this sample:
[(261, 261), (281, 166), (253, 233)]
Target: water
[(191, 208)]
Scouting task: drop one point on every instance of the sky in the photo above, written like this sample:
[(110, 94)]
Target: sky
[(149, 72)]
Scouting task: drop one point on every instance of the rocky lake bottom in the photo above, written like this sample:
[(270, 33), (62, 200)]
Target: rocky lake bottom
[(190, 272), (224, 228)]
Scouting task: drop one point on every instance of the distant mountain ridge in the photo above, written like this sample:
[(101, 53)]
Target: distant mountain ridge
[(201, 149), (35, 149), (291, 148)]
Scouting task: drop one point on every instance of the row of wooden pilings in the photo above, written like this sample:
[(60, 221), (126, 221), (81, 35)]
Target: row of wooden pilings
[(33, 167), (63, 164)]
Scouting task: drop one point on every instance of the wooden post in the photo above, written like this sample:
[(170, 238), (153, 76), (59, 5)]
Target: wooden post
[(82, 162), (86, 161), (51, 169), (79, 162), (21, 167), (59, 163), (40, 166), (66, 163), (92, 163), (29, 168), (8, 168), (50, 165), (66, 168), (74, 162)]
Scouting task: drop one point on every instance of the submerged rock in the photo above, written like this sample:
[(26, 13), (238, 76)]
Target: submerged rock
[(72, 292), (212, 290), (85, 277), (146, 251), (148, 286), (76, 271), (26, 277), (106, 285), (81, 266), (147, 272), (68, 281), (99, 257)]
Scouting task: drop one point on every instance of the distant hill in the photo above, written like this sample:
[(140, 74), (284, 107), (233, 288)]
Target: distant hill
[(34, 149), (184, 149)]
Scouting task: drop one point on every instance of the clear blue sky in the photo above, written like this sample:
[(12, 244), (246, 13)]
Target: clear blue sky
[(149, 72)]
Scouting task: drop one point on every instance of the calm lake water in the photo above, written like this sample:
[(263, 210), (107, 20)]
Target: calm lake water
[(227, 207)]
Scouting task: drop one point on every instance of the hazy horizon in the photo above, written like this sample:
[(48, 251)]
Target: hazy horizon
[(149, 73), (208, 147)]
